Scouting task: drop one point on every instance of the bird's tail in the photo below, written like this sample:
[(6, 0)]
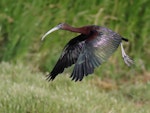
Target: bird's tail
[(128, 61), (124, 39)]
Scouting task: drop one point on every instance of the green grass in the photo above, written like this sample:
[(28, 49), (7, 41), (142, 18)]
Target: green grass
[(25, 91), (23, 23)]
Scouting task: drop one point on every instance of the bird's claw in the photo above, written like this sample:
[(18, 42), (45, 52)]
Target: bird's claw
[(128, 61)]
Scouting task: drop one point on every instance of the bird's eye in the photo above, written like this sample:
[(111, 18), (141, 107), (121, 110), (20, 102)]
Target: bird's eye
[(92, 32)]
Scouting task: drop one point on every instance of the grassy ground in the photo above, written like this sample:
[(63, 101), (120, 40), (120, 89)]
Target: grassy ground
[(25, 91)]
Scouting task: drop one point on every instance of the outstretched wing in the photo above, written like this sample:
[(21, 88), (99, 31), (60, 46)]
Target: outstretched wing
[(69, 56), (96, 51)]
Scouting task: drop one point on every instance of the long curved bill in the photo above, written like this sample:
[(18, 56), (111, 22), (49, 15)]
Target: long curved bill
[(50, 31)]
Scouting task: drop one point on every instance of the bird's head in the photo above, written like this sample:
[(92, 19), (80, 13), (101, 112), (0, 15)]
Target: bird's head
[(83, 30)]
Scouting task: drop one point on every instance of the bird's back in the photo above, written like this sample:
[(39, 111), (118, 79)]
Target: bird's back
[(104, 43)]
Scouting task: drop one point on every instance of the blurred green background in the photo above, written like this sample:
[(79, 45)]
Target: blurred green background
[(23, 23)]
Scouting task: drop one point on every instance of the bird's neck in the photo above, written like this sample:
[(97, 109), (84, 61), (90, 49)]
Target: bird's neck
[(82, 30)]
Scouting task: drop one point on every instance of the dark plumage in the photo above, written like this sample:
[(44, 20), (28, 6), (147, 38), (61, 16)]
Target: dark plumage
[(91, 48)]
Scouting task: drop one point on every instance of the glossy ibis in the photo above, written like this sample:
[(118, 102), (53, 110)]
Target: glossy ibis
[(91, 48)]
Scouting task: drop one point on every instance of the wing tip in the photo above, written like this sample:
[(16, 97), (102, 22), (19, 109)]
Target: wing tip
[(50, 77), (75, 78)]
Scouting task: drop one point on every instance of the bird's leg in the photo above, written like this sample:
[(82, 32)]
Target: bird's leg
[(128, 61)]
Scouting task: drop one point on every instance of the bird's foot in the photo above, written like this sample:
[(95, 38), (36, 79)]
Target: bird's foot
[(128, 61)]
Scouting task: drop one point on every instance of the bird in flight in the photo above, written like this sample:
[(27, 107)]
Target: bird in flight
[(90, 49)]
